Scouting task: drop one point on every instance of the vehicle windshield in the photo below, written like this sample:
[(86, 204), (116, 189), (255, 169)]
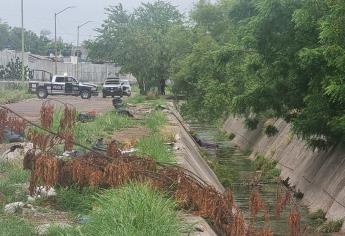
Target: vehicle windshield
[(112, 82)]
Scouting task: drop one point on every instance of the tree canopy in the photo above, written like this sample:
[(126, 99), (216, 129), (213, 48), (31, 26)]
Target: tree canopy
[(139, 41), (256, 59), (10, 38)]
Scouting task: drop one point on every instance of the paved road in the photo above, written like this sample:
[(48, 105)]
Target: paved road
[(30, 108)]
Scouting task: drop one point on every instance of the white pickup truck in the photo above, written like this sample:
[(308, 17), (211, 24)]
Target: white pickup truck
[(63, 85)]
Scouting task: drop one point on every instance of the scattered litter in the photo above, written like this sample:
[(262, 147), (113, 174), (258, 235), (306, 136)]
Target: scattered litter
[(73, 153), (132, 150), (87, 116), (12, 137), (83, 219), (45, 192), (43, 229)]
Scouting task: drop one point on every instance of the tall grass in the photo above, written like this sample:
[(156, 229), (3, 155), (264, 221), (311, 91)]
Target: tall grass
[(13, 226), (75, 199), (155, 120), (153, 146), (104, 125), (133, 210), (12, 176), (9, 95)]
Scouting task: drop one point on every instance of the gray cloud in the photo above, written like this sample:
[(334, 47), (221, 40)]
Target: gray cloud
[(39, 14)]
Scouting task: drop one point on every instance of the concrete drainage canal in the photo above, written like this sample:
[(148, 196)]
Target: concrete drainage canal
[(245, 178)]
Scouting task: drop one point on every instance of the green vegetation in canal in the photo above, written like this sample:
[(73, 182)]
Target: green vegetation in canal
[(318, 222), (267, 167)]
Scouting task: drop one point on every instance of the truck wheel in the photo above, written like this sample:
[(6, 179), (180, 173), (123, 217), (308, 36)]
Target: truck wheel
[(42, 93), (85, 94)]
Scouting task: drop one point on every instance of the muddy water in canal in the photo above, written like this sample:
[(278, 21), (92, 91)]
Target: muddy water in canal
[(235, 171)]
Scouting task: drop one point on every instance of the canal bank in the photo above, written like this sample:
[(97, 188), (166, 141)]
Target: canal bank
[(319, 175)]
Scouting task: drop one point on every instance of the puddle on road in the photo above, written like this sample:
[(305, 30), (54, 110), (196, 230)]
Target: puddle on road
[(234, 170)]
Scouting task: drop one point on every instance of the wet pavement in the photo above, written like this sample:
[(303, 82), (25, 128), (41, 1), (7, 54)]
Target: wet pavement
[(30, 108)]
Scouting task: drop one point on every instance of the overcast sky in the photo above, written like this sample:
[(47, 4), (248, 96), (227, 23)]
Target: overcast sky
[(39, 14)]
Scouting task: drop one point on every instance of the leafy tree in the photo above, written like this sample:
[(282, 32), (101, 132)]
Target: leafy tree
[(13, 70), (276, 58), (139, 42)]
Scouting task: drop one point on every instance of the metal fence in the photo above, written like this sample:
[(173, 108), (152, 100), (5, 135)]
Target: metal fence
[(86, 71)]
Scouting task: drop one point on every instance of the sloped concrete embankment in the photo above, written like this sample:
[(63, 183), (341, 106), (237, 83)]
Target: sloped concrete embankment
[(319, 175)]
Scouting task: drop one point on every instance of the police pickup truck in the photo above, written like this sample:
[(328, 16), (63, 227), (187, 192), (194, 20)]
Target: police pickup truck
[(62, 85)]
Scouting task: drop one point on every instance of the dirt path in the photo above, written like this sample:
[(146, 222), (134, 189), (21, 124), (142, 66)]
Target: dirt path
[(30, 108)]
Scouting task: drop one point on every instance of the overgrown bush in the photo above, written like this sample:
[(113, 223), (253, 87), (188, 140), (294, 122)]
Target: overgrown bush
[(13, 70), (331, 226), (75, 199), (266, 166), (11, 180), (271, 130), (251, 123), (133, 210)]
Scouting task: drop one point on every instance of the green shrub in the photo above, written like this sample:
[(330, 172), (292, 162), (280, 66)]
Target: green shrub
[(271, 130), (266, 166), (133, 210), (251, 123), (319, 214), (331, 226), (75, 199), (231, 136), (11, 188), (154, 147)]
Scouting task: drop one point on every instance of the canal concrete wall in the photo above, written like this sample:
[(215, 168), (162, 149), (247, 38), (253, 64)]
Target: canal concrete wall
[(320, 175)]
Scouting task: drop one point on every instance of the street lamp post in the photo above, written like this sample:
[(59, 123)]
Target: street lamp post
[(55, 15), (22, 10), (78, 30)]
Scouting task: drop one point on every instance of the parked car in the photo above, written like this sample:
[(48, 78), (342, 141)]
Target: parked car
[(112, 87), (126, 87), (63, 85)]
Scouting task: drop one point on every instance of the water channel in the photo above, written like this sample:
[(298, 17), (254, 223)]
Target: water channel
[(234, 170)]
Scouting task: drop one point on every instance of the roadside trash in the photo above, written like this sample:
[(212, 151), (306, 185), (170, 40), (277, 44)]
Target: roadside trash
[(72, 153), (204, 144), (124, 112), (12, 137), (120, 107), (100, 145), (83, 219), (117, 102), (132, 150), (87, 116)]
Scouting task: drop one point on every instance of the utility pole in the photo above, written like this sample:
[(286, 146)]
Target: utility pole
[(23, 72), (78, 30), (56, 50)]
